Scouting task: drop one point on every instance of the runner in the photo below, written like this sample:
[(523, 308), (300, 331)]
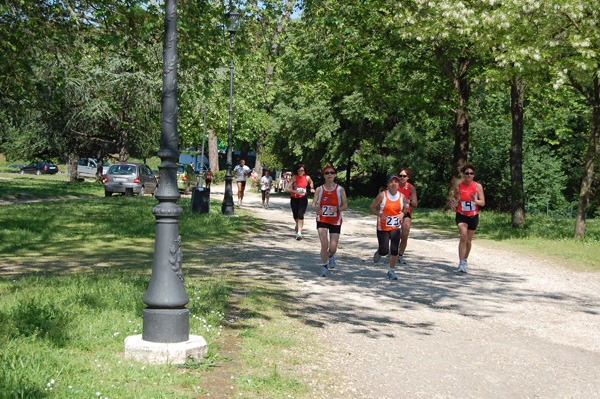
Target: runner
[(466, 199), (409, 192), (388, 206), (329, 203), (241, 171), (265, 187), (208, 177), (297, 186)]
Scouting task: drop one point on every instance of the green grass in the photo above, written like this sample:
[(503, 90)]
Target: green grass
[(542, 235), (30, 186), (72, 277)]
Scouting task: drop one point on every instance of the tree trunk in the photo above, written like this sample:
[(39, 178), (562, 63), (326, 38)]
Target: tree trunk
[(462, 88), (259, 149), (123, 146), (588, 169), (516, 153), (213, 151), (73, 167)]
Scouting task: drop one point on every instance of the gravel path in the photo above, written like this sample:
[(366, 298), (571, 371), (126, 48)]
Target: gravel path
[(514, 327)]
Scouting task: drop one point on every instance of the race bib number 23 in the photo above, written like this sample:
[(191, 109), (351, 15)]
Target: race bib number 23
[(392, 221)]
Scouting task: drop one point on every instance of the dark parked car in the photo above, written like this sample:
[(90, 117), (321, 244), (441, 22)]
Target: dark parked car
[(40, 168), (129, 178)]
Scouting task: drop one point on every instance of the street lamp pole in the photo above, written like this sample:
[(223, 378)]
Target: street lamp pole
[(227, 207)]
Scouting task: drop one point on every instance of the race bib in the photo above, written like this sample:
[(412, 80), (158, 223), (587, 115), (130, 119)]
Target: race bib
[(301, 191), (468, 205), (328, 210), (392, 221)]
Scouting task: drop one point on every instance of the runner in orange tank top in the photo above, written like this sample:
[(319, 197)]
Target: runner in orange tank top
[(410, 193), (466, 199), (329, 203), (389, 206)]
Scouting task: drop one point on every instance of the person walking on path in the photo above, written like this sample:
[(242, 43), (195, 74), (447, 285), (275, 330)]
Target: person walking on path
[(329, 202), (389, 207), (410, 193), (265, 188), (241, 171), (299, 201), (466, 199), (208, 178)]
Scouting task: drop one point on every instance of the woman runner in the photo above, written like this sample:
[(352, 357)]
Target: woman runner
[(299, 201), (409, 192), (466, 199), (329, 203), (388, 206)]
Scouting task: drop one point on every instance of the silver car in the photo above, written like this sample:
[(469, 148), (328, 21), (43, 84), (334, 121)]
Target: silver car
[(129, 178)]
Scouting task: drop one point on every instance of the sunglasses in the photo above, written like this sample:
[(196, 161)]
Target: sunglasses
[(329, 173), (300, 170), (469, 173), (403, 176)]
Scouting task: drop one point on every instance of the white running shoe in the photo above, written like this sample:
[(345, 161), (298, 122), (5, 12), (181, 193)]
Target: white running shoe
[(324, 271), (376, 257), (401, 260), (239, 202), (465, 269), (298, 236), (392, 275), (462, 266), (332, 263)]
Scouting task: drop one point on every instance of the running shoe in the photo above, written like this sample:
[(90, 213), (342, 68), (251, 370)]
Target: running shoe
[(392, 275), (376, 257), (462, 266), (332, 262), (239, 202), (465, 270), (324, 271), (401, 260), (298, 236)]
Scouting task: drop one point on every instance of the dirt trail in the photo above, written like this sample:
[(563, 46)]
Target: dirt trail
[(514, 327)]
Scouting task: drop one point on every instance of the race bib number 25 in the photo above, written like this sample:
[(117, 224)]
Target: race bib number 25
[(329, 210)]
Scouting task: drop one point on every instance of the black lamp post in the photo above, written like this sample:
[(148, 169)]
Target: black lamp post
[(227, 208), (166, 320)]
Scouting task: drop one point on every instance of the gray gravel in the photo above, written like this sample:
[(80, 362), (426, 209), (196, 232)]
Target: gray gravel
[(514, 327)]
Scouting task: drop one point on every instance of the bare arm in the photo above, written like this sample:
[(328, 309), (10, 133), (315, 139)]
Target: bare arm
[(374, 208), (480, 197), (344, 201), (454, 200), (315, 206), (288, 188), (310, 182), (413, 196)]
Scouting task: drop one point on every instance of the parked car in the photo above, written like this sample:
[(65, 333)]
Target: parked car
[(40, 168), (186, 178), (129, 178), (87, 167)]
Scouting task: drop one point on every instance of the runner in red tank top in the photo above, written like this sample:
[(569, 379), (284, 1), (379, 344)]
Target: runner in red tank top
[(466, 199), (298, 186), (329, 203), (389, 207), (410, 193)]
